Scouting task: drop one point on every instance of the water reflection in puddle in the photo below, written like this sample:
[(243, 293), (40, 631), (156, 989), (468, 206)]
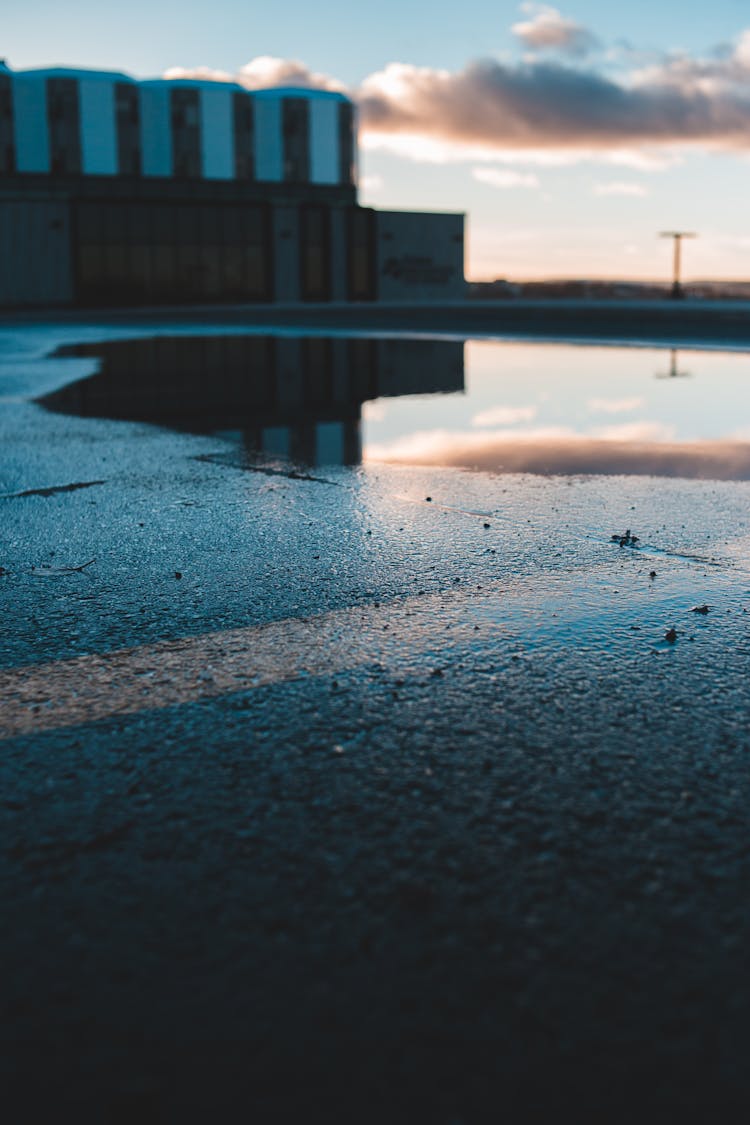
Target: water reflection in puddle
[(500, 407), (280, 398), (576, 410)]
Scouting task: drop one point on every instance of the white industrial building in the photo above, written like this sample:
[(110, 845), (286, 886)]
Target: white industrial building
[(119, 191)]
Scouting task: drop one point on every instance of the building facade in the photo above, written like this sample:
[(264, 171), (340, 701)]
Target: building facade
[(120, 192)]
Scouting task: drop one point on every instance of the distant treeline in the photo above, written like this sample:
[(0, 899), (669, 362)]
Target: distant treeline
[(501, 289)]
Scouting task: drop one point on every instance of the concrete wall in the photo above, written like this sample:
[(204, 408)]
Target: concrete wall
[(35, 259), (30, 126), (269, 149), (157, 250), (339, 258), (324, 141), (98, 129), (156, 129), (419, 257), (217, 133)]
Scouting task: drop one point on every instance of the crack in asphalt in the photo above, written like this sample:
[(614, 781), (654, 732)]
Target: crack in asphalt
[(230, 461), (51, 490)]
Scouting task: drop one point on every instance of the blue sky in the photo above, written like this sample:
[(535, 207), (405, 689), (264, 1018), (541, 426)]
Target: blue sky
[(147, 37), (533, 209)]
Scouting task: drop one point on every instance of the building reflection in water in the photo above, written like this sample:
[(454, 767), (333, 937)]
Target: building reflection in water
[(290, 397)]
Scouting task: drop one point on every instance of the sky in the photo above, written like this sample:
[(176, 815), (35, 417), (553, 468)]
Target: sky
[(570, 135)]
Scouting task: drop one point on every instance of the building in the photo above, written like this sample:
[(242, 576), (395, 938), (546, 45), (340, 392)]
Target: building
[(122, 192)]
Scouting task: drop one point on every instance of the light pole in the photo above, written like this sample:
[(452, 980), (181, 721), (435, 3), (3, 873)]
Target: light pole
[(677, 236)]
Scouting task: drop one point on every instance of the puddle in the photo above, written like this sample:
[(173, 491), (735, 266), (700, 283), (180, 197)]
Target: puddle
[(287, 404)]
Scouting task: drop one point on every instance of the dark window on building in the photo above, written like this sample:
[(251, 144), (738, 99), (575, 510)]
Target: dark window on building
[(188, 264), (346, 143), (186, 133), (128, 119), (63, 115), (296, 133), (361, 254), (244, 134), (159, 251), (315, 254), (7, 148), (164, 265), (89, 239), (254, 228), (139, 261)]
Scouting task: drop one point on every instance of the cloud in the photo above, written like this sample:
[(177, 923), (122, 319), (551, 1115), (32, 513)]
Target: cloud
[(548, 30), (614, 405), (620, 187), (266, 70), (504, 415), (430, 150), (541, 111), (262, 72), (542, 106), (202, 73), (504, 178)]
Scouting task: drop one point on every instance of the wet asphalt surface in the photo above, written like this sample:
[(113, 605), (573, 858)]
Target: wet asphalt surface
[(375, 813)]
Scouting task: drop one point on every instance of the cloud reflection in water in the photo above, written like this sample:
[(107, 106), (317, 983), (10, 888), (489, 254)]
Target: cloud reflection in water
[(567, 409), (557, 452)]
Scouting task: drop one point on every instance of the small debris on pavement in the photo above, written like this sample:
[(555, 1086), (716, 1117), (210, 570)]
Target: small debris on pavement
[(626, 540), (45, 571)]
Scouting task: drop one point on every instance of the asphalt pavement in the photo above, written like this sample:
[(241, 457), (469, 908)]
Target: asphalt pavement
[(323, 801)]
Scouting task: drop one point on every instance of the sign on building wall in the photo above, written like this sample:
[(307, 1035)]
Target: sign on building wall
[(420, 256)]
